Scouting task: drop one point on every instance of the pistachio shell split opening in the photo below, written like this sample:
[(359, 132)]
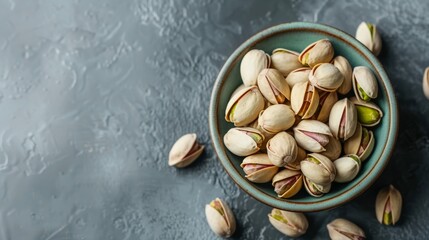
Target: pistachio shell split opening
[(343, 119), (326, 77), (367, 34), (273, 86), (252, 64), (243, 141), (347, 168), (312, 135), (368, 113), (326, 102), (258, 168), (317, 52), (291, 224), (276, 118), (282, 149), (342, 229), (388, 205), (318, 169), (304, 100), (364, 84), (244, 106), (287, 183), (361, 143), (346, 69), (298, 75), (220, 218), (333, 149), (316, 190), (185, 151), (285, 60)]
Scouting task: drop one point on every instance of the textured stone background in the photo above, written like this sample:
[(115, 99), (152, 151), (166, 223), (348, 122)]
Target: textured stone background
[(94, 93)]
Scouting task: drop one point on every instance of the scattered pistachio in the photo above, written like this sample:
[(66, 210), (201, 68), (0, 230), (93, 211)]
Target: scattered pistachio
[(291, 224), (367, 34), (388, 205), (220, 218), (342, 229), (185, 151)]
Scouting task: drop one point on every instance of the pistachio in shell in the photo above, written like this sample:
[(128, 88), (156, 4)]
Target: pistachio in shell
[(315, 190), (244, 106), (282, 149), (361, 143), (252, 64), (285, 60), (291, 224), (342, 229), (276, 118), (273, 86), (287, 183), (346, 69), (367, 33), (326, 102), (364, 84), (298, 75), (318, 169), (333, 148), (312, 135), (317, 52), (347, 168), (388, 205), (220, 218), (326, 77), (243, 141), (304, 100), (258, 168), (343, 119), (368, 113), (185, 151)]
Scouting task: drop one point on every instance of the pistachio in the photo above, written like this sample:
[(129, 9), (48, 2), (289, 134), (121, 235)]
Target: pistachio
[(361, 143), (291, 224), (326, 77), (426, 83), (298, 75), (304, 99), (252, 64), (316, 190), (367, 34), (344, 66), (243, 141), (333, 148), (282, 149), (220, 218), (342, 229), (368, 114), (326, 101), (285, 60), (258, 168), (273, 86), (317, 52), (185, 151), (287, 183), (318, 169), (347, 168), (343, 119), (276, 118), (296, 165), (364, 84), (312, 135), (244, 106), (388, 205)]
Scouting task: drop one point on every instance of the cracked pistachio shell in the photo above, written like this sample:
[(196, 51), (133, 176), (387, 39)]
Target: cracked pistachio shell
[(220, 218), (243, 141), (258, 168), (298, 75), (342, 229), (317, 52), (287, 183), (388, 205), (296, 165), (368, 113), (276, 118), (426, 83), (347, 168), (318, 169), (367, 34), (291, 224), (343, 119), (282, 149), (312, 135), (285, 60), (273, 86), (185, 151), (244, 106), (304, 99), (326, 77), (361, 143), (316, 190), (326, 102), (344, 66), (333, 148), (252, 64), (364, 84)]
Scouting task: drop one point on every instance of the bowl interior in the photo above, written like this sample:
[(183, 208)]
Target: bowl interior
[(296, 36)]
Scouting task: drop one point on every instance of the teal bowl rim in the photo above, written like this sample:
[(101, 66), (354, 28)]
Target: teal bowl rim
[(341, 198)]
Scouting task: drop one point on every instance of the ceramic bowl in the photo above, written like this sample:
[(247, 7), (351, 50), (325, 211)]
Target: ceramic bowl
[(296, 36)]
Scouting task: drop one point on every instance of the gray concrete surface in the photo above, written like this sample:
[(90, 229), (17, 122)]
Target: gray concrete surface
[(94, 93)]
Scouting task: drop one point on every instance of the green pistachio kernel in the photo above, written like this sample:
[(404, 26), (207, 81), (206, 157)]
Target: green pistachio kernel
[(313, 160), (256, 137), (217, 206), (231, 112), (387, 218), (363, 95), (367, 115), (277, 215)]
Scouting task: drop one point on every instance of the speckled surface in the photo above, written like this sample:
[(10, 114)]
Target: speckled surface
[(94, 93)]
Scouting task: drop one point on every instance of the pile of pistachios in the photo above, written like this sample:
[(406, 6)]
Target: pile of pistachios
[(295, 122)]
